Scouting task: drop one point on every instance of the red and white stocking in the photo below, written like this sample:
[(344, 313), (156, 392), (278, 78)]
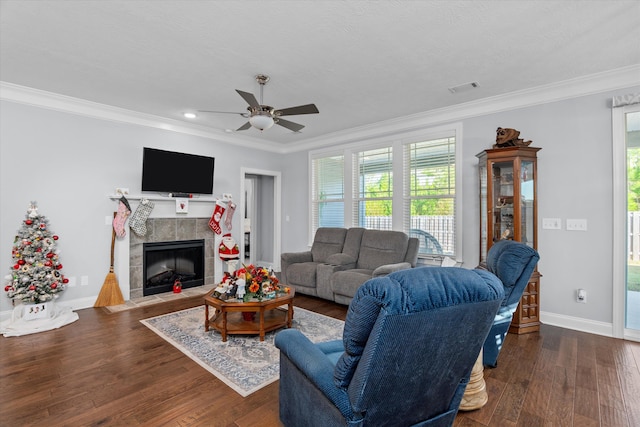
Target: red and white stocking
[(214, 222)]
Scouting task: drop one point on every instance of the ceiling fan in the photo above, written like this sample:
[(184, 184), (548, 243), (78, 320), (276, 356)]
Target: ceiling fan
[(263, 116)]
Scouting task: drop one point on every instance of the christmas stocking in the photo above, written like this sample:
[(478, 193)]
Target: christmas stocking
[(214, 222), (138, 221), (231, 207), (121, 216)]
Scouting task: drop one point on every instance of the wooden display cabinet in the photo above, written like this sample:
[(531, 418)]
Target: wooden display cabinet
[(508, 210)]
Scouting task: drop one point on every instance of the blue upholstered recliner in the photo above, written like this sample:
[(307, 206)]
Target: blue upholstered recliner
[(409, 343), (513, 263)]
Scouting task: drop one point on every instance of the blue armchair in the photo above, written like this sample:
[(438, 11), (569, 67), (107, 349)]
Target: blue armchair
[(409, 343), (513, 263)]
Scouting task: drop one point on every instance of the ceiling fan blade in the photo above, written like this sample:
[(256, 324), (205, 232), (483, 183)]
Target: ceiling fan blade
[(251, 100), (289, 125), (223, 112), (300, 109), (244, 126)]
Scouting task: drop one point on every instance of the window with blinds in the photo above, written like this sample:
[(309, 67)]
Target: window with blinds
[(327, 184), (373, 188), (429, 199)]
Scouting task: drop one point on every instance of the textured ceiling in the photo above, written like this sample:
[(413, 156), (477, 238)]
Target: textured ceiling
[(359, 62)]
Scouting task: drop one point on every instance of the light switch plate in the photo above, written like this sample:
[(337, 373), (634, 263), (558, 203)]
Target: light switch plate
[(551, 223), (576, 224)]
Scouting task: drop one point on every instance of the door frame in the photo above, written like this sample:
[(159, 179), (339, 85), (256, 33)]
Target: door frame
[(619, 278), (277, 219)]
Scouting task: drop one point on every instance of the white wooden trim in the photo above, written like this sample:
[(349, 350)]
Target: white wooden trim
[(277, 208)]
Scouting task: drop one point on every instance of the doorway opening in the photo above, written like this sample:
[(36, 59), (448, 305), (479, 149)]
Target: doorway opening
[(260, 205)]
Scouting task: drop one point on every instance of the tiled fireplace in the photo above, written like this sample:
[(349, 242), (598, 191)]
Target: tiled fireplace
[(170, 230)]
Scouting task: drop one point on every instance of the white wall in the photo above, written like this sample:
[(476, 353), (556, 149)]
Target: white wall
[(70, 163), (295, 202)]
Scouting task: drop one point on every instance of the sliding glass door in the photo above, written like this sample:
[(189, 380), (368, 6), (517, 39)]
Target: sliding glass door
[(632, 286)]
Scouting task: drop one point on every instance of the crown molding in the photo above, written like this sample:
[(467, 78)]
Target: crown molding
[(581, 86), (82, 107)]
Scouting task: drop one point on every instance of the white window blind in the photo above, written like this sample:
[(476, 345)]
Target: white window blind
[(327, 184), (373, 188), (429, 199)]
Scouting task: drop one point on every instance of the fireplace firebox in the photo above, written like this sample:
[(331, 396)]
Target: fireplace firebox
[(166, 262)]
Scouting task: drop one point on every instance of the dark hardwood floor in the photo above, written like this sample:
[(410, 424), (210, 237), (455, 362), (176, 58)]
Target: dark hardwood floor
[(109, 369)]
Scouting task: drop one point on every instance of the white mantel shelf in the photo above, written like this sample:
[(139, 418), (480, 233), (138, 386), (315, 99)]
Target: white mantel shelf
[(205, 199)]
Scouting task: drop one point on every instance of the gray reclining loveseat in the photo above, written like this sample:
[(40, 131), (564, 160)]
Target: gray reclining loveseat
[(340, 260)]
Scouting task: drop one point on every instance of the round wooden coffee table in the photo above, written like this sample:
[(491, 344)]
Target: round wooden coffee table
[(228, 317)]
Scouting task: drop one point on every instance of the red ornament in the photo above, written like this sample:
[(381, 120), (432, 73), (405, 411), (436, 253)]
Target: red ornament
[(59, 266), (55, 237), (28, 222), (65, 280), (16, 267), (177, 287), (54, 285), (7, 288), (50, 255), (32, 288), (22, 262), (39, 250), (48, 264), (43, 226)]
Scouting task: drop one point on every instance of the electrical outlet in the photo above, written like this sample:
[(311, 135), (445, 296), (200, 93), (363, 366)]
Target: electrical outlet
[(552, 223), (84, 280), (576, 224), (581, 296)]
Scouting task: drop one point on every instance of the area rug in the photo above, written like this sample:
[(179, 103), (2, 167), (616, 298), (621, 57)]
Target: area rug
[(244, 363)]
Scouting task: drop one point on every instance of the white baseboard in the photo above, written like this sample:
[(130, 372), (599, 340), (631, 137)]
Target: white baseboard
[(577, 324), (74, 304)]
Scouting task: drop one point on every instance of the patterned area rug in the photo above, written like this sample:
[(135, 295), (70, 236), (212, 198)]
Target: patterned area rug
[(244, 363)]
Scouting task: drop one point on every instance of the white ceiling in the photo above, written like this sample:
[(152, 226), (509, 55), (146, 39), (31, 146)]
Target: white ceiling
[(360, 62)]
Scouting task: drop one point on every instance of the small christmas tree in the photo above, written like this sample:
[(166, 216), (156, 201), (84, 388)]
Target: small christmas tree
[(36, 274)]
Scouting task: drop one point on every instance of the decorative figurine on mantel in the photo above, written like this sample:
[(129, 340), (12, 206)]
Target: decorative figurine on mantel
[(507, 137)]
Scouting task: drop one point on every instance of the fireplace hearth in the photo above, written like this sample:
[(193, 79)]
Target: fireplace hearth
[(166, 262)]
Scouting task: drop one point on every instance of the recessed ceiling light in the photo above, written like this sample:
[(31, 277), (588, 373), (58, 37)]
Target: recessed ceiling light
[(190, 115), (464, 87)]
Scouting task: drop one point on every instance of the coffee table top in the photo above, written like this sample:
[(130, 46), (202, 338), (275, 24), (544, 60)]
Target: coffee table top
[(235, 302)]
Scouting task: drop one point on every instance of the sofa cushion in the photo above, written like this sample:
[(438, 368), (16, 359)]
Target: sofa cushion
[(380, 247), (352, 242), (302, 274), (347, 282), (328, 241)]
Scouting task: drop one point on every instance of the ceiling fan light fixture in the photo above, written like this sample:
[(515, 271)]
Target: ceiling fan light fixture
[(261, 122)]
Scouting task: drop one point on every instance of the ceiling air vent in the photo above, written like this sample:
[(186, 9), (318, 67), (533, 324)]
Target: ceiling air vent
[(464, 87)]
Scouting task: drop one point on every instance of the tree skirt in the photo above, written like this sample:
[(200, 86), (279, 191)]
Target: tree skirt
[(244, 363), (17, 325)]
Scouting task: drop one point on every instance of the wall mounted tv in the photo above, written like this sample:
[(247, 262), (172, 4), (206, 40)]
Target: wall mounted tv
[(172, 172)]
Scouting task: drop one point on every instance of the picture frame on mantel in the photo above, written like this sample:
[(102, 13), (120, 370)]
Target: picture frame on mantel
[(182, 206)]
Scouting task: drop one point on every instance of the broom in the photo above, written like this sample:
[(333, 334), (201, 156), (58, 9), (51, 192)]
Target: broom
[(110, 293)]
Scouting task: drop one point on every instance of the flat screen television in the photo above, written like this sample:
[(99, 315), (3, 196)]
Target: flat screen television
[(173, 172)]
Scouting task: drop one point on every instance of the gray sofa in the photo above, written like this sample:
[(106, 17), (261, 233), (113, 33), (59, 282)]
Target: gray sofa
[(340, 260)]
